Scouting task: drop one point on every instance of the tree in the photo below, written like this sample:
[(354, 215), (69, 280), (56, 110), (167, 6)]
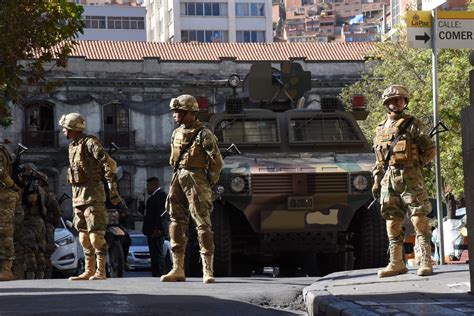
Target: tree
[(395, 63), (32, 33)]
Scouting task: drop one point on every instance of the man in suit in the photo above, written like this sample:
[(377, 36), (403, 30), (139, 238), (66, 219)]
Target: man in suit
[(154, 225)]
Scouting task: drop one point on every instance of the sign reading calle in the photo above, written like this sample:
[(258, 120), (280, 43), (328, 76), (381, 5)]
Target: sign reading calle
[(454, 29)]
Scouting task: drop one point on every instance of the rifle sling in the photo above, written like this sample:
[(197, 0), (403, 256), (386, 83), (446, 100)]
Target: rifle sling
[(186, 148), (395, 141)]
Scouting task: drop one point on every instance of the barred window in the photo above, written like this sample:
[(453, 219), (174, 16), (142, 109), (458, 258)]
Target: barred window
[(321, 129)]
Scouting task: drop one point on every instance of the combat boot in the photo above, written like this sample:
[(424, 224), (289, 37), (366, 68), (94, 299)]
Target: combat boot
[(30, 275), (207, 269), (39, 275), (89, 269), (177, 273), (396, 265), (423, 251), (6, 270), (100, 273)]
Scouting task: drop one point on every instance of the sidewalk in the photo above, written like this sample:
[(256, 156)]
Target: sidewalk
[(361, 292)]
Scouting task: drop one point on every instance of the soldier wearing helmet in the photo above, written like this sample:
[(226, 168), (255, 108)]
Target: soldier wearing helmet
[(402, 147), (9, 194), (33, 239), (89, 165), (197, 164)]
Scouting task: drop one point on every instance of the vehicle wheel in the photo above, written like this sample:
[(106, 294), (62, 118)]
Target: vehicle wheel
[(192, 259), (115, 262), (222, 241), (370, 239)]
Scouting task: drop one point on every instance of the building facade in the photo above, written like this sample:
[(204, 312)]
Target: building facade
[(123, 90), (233, 21), (114, 22)]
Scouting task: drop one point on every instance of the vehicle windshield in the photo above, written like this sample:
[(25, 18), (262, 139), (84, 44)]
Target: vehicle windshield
[(242, 130), (139, 240), (320, 129)]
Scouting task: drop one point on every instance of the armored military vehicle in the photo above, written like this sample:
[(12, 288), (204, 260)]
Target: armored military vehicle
[(297, 195)]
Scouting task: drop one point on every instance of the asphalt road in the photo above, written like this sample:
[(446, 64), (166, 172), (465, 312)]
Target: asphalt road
[(139, 294)]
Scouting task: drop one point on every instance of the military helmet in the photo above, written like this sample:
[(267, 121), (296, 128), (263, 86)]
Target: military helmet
[(395, 91), (184, 102), (73, 122)]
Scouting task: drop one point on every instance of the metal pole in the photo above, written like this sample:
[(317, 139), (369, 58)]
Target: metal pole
[(439, 198)]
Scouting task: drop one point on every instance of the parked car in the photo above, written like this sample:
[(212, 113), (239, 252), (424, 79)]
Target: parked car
[(68, 258), (139, 254)]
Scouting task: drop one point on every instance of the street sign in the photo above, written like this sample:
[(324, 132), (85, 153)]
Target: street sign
[(455, 29), (428, 5), (419, 29)]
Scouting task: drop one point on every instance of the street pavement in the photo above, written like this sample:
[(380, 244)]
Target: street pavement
[(361, 292)]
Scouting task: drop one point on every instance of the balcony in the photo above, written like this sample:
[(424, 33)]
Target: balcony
[(37, 139), (123, 139)]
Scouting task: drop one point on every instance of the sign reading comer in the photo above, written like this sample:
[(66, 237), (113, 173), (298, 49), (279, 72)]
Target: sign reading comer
[(455, 29)]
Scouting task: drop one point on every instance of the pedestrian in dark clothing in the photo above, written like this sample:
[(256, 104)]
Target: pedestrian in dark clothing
[(154, 226)]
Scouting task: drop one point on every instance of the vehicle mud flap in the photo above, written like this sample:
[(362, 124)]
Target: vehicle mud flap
[(192, 260), (115, 260), (222, 241), (369, 239)]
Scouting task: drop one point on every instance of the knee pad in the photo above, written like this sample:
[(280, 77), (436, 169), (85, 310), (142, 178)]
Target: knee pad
[(98, 242), (421, 225)]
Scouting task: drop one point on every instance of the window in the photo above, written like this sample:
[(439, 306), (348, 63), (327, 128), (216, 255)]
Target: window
[(242, 131), (204, 36), (116, 126), (39, 125), (125, 23), (203, 9), (250, 36), (250, 9), (125, 185), (94, 22), (321, 129)]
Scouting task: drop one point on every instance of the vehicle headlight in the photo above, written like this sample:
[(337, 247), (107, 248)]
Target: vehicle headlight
[(360, 182), (65, 241), (237, 184)]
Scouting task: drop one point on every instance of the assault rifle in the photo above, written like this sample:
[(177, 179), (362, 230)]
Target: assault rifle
[(21, 149)]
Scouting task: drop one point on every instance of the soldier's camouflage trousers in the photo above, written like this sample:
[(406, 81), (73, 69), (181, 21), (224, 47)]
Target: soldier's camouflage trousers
[(19, 266), (190, 194), (8, 199), (91, 218), (403, 190), (50, 247), (34, 242)]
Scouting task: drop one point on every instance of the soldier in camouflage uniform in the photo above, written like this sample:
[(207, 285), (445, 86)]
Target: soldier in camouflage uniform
[(198, 163), (34, 228), (401, 187), (19, 265), (53, 217), (8, 199), (89, 165)]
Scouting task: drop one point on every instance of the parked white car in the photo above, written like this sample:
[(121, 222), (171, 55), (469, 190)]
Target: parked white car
[(139, 254), (68, 258)]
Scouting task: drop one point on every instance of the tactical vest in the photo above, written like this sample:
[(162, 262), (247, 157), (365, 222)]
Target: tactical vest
[(195, 157), (405, 150), (83, 166), (6, 159)]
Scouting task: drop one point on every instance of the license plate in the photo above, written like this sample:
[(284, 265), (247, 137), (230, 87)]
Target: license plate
[(300, 202)]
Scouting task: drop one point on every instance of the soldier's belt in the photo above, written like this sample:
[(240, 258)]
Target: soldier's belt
[(193, 169), (409, 164)]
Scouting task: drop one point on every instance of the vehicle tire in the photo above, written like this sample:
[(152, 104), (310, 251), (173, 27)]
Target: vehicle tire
[(115, 260), (222, 241), (192, 259), (370, 239)]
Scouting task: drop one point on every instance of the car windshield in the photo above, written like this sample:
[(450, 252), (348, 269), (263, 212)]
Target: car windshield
[(319, 129), (139, 240), (247, 131)]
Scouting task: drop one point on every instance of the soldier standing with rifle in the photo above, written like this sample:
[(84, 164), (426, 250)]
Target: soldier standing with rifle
[(197, 164), (89, 164), (402, 149), (8, 199)]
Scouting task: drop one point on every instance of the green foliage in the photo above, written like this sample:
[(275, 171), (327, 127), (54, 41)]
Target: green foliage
[(395, 63), (33, 33)]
